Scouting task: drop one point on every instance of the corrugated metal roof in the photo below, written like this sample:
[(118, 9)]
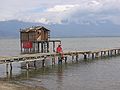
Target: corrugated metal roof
[(33, 29)]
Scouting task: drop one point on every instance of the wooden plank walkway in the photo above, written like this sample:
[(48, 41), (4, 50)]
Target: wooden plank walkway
[(41, 56)]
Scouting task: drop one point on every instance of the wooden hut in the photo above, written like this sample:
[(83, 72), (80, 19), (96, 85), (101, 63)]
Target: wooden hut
[(31, 39), (37, 33)]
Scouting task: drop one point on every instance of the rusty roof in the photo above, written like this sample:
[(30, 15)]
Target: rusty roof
[(33, 29)]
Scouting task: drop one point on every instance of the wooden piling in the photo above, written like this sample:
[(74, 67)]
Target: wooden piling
[(38, 47), (76, 57), (85, 56), (93, 56), (47, 46), (72, 58), (66, 59), (27, 65), (115, 52), (53, 60), (108, 53), (96, 54), (43, 62), (53, 46), (10, 65), (118, 51), (111, 52), (42, 50), (104, 53), (7, 69), (101, 53), (35, 66)]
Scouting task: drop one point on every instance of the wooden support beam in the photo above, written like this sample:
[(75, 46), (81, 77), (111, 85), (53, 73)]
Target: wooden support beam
[(118, 51), (108, 53), (66, 59), (77, 57), (38, 47), (101, 53), (111, 52), (72, 58), (93, 56), (53, 46), (96, 54), (27, 65), (42, 48), (11, 66), (85, 56), (53, 60), (115, 52), (47, 46), (7, 73), (35, 66), (43, 62)]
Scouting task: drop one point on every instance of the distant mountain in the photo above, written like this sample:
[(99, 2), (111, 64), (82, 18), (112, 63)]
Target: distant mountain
[(99, 29), (12, 28)]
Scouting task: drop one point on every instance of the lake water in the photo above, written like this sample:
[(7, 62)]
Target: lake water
[(102, 74)]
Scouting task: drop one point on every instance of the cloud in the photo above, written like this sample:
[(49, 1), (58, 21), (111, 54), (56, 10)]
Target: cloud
[(59, 11), (61, 8)]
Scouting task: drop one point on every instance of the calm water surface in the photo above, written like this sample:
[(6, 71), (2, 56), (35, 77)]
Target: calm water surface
[(102, 74)]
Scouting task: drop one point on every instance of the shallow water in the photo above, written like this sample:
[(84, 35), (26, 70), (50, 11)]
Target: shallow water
[(102, 74)]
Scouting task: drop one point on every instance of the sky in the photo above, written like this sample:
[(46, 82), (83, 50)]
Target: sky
[(61, 11)]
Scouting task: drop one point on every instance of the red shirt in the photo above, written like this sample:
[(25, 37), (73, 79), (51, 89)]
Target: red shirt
[(59, 50)]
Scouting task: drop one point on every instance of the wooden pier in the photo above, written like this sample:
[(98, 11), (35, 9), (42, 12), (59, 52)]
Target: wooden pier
[(75, 55)]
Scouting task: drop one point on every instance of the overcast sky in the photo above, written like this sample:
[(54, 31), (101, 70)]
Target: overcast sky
[(60, 11)]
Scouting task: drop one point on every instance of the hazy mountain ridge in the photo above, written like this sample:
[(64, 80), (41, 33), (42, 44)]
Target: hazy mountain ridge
[(12, 28)]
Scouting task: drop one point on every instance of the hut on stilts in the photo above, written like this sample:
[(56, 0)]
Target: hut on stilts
[(36, 40)]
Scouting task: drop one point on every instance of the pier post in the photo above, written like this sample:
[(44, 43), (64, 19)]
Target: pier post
[(111, 52), (35, 66), (118, 51), (88, 55), (10, 65), (96, 54), (108, 53), (101, 53), (77, 57), (66, 59), (93, 56), (72, 58), (47, 46), (115, 52), (7, 73), (104, 53), (53, 46), (42, 49), (10, 70), (53, 61), (85, 56), (43, 62), (27, 65), (38, 47)]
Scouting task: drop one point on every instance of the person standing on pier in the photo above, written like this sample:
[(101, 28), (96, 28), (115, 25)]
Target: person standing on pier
[(60, 51)]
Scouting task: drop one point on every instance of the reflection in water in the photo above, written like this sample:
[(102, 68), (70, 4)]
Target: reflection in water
[(74, 75), (60, 77), (9, 72)]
